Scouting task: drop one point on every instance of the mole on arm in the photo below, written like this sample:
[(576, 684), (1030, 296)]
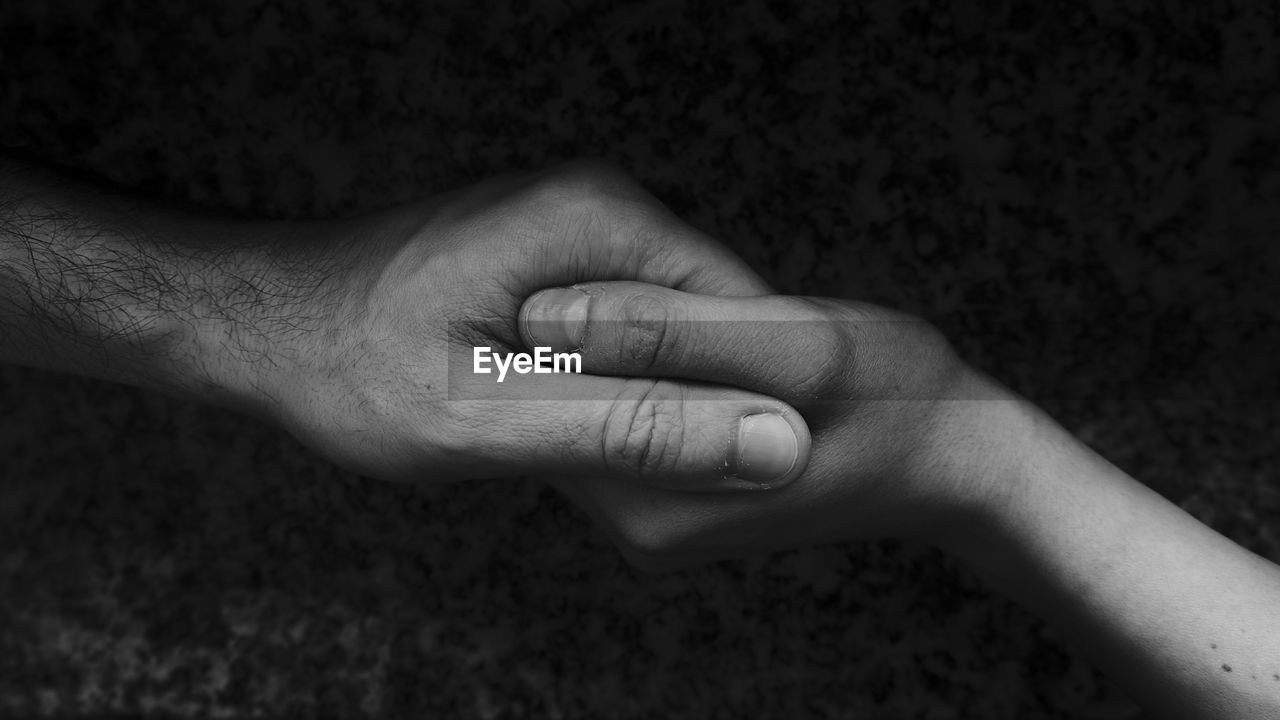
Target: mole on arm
[(1226, 668)]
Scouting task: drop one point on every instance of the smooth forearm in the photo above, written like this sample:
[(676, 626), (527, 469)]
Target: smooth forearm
[(95, 282), (911, 442), (1181, 617)]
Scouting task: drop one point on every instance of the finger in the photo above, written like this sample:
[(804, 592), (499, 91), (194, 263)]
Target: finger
[(770, 344), (661, 433), (619, 230), (796, 349), (661, 531)]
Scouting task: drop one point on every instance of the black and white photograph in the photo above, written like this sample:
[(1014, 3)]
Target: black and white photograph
[(565, 359)]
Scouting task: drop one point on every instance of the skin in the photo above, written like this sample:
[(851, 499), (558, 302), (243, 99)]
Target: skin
[(910, 442), (343, 331)]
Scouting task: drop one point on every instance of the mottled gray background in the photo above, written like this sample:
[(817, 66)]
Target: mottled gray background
[(1081, 194)]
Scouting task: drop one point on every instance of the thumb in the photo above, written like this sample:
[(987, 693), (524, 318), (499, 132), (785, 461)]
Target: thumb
[(671, 434)]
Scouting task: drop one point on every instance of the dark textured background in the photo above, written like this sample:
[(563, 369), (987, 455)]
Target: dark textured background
[(1082, 195)]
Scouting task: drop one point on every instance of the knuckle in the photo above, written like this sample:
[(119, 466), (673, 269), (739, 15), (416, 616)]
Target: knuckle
[(870, 354), (595, 203), (935, 341), (901, 357), (642, 322), (643, 431), (586, 183), (648, 545), (824, 351), (934, 364), (575, 199), (652, 542)]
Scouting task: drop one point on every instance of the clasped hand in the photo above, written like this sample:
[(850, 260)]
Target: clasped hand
[(713, 418)]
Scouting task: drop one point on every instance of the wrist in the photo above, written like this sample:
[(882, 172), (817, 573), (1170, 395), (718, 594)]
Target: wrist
[(989, 443), (98, 282), (265, 316), (1039, 485)]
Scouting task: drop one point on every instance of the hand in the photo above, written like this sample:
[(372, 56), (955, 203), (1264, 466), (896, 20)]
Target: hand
[(908, 441), (385, 387)]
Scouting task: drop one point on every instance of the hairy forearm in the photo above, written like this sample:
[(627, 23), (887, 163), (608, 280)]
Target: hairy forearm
[(1181, 617), (95, 282)]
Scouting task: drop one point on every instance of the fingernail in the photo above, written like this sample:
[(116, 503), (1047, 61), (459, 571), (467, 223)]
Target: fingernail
[(767, 449), (556, 318)]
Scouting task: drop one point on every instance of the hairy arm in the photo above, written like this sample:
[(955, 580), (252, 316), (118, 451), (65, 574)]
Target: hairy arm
[(96, 282), (340, 331)]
